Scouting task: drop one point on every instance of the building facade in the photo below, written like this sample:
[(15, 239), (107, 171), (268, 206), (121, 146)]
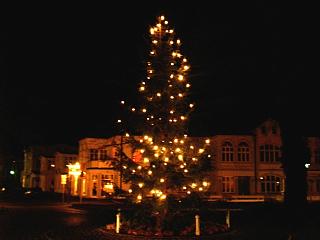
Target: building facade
[(243, 167)]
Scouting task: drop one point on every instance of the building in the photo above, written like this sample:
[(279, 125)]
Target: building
[(243, 167), (38, 161), (51, 169)]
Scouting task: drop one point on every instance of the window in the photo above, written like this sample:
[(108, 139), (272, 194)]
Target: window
[(263, 130), (93, 154), (227, 152), (243, 152), (269, 153), (227, 184), (270, 184), (103, 155), (274, 129)]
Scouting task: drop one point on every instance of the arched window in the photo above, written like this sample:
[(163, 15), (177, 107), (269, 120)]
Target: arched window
[(270, 184), (269, 153), (227, 152), (243, 152)]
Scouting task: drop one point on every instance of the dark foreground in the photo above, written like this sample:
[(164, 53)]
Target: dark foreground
[(57, 221)]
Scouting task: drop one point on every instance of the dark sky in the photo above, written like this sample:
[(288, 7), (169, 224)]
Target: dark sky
[(64, 68)]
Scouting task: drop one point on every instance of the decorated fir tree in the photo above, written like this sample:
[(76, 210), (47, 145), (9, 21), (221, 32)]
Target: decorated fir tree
[(169, 165)]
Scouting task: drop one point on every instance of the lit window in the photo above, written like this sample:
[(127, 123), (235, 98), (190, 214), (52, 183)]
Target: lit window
[(270, 184), (93, 154), (243, 152), (227, 184), (227, 152)]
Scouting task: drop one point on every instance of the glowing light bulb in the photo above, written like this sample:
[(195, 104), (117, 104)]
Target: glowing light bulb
[(130, 190), (172, 97), (174, 54), (145, 160), (186, 170), (182, 117), (178, 41), (181, 166), (186, 67), (180, 95), (151, 31), (142, 88), (171, 76), (144, 110), (171, 31), (191, 105), (201, 150), (175, 140), (149, 172), (207, 141), (180, 157), (205, 184), (178, 150), (159, 25), (122, 102), (171, 42), (127, 134), (188, 85), (180, 78), (140, 185), (165, 22), (162, 18), (133, 109), (150, 71), (200, 189), (156, 155), (161, 180), (154, 41), (184, 60), (172, 64), (166, 159), (119, 121), (152, 52), (139, 197), (159, 94)]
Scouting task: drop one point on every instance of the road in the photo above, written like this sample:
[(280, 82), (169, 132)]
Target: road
[(50, 222)]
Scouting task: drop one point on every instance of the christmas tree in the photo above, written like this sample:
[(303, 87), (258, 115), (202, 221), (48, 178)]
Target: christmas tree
[(172, 165)]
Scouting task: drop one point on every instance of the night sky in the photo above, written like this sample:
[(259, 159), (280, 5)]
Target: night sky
[(64, 68)]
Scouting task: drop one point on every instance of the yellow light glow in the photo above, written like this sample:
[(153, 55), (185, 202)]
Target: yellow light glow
[(181, 166), (188, 85), (156, 155), (205, 184), (178, 41), (139, 197), (145, 160), (140, 185), (172, 64), (180, 78), (192, 147), (149, 172), (191, 105), (161, 180), (159, 94), (184, 187), (182, 117), (142, 88), (171, 76), (124, 167), (165, 22), (200, 189), (186, 67), (172, 97), (166, 159), (176, 140), (144, 110), (133, 109), (152, 52), (162, 17), (178, 150), (130, 190), (154, 41), (194, 159), (151, 31), (188, 192), (171, 31), (193, 185), (139, 167), (171, 42), (180, 95), (180, 157), (201, 150), (122, 102), (185, 60), (186, 170), (174, 54), (181, 141), (207, 141), (119, 121), (163, 196), (159, 25), (150, 71), (127, 134)]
